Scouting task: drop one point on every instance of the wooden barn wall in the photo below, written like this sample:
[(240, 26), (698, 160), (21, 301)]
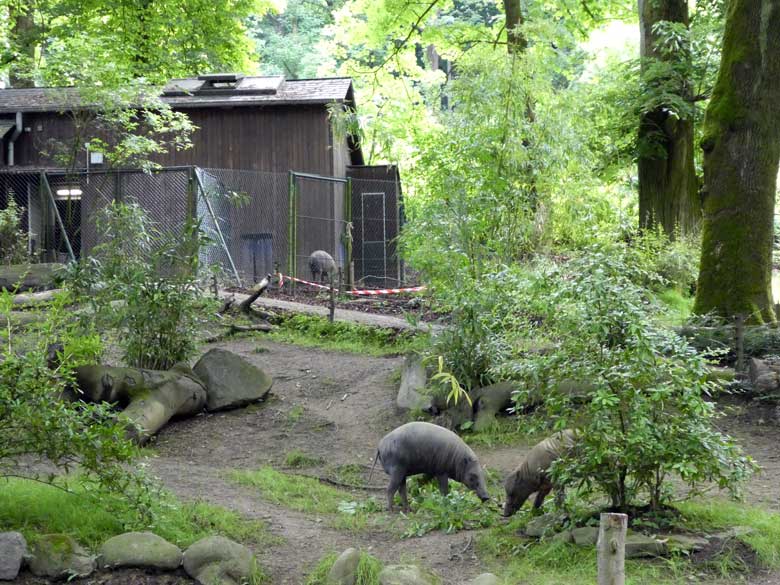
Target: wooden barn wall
[(279, 138)]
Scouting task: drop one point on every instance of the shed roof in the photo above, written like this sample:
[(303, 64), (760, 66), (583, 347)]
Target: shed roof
[(293, 92)]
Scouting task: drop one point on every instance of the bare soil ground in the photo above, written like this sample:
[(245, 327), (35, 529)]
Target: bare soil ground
[(337, 406)]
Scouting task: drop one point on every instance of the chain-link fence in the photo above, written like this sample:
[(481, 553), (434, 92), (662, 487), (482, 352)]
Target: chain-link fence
[(321, 222), (376, 223), (249, 212), (246, 214)]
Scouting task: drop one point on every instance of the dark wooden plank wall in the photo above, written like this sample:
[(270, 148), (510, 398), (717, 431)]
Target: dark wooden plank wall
[(279, 138)]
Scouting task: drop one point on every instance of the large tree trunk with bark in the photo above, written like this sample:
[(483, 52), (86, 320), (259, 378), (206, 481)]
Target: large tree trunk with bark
[(741, 147), (516, 41), (24, 36), (668, 190)]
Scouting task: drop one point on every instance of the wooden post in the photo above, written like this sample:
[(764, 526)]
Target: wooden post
[(612, 549), (739, 342), (332, 312)]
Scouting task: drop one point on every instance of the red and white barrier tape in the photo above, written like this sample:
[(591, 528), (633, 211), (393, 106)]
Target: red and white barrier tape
[(364, 292)]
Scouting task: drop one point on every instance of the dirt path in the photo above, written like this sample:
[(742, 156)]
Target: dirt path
[(337, 407)]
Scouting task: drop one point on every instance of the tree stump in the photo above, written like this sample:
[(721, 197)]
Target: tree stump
[(612, 549)]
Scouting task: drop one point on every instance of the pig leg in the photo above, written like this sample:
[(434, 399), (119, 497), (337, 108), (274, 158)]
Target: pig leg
[(397, 484), (444, 484), (544, 489), (404, 499)]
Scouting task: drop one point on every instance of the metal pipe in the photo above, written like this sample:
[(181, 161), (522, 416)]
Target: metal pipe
[(16, 133)]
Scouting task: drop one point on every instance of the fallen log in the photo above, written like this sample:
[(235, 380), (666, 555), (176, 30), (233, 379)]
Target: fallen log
[(150, 398), (35, 298)]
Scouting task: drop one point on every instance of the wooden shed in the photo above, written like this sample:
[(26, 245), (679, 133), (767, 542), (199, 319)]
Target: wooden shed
[(252, 132)]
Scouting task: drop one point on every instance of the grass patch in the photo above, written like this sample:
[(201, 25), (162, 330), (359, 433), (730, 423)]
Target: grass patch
[(298, 459), (308, 495), (546, 562), (678, 307), (505, 431), (91, 518), (367, 571), (316, 331), (295, 414), (720, 514)]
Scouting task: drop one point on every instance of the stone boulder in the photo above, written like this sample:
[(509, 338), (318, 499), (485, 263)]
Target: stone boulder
[(58, 556), (485, 579), (490, 400), (216, 560), (344, 570), (231, 381), (13, 548), (585, 535), (43, 276), (640, 545), (413, 381), (684, 542), (405, 575), (544, 525), (140, 549)]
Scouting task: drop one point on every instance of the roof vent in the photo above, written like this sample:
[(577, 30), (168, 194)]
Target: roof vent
[(223, 84)]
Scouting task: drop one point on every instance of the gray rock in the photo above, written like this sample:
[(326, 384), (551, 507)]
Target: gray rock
[(733, 532), (58, 556), (564, 536), (585, 535), (490, 400), (485, 579), (140, 549), (684, 542), (13, 548), (230, 380), (344, 570), (639, 545), (405, 575), (543, 525), (413, 381), (216, 560)]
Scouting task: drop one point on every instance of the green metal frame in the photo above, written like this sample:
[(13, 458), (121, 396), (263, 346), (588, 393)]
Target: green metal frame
[(292, 227)]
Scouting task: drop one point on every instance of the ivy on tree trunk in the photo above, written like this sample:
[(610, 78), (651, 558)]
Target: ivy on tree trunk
[(668, 191), (741, 145)]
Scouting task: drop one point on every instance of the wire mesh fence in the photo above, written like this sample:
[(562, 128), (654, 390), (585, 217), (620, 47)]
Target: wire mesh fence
[(321, 223), (376, 223), (245, 214)]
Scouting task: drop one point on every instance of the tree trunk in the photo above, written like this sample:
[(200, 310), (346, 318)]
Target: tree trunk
[(23, 40), (516, 41), (611, 548), (741, 147), (668, 191)]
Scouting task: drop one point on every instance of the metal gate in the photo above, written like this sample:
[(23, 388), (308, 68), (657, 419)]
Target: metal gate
[(320, 219)]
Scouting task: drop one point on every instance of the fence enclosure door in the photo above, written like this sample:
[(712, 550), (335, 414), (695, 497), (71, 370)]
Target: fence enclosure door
[(320, 220)]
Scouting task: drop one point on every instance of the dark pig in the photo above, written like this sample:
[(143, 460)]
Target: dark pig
[(531, 476), (321, 265), (421, 447)]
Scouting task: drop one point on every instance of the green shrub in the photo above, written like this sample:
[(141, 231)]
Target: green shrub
[(37, 422), (13, 241), (367, 573), (143, 282), (642, 410)]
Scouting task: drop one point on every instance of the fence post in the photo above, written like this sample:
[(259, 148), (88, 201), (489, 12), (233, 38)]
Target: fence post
[(218, 228), (291, 243), (332, 304), (45, 182), (612, 549), (348, 218)]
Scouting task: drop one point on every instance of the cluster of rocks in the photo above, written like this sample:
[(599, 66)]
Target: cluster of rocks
[(213, 560), (486, 402), (638, 545), (344, 572)]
